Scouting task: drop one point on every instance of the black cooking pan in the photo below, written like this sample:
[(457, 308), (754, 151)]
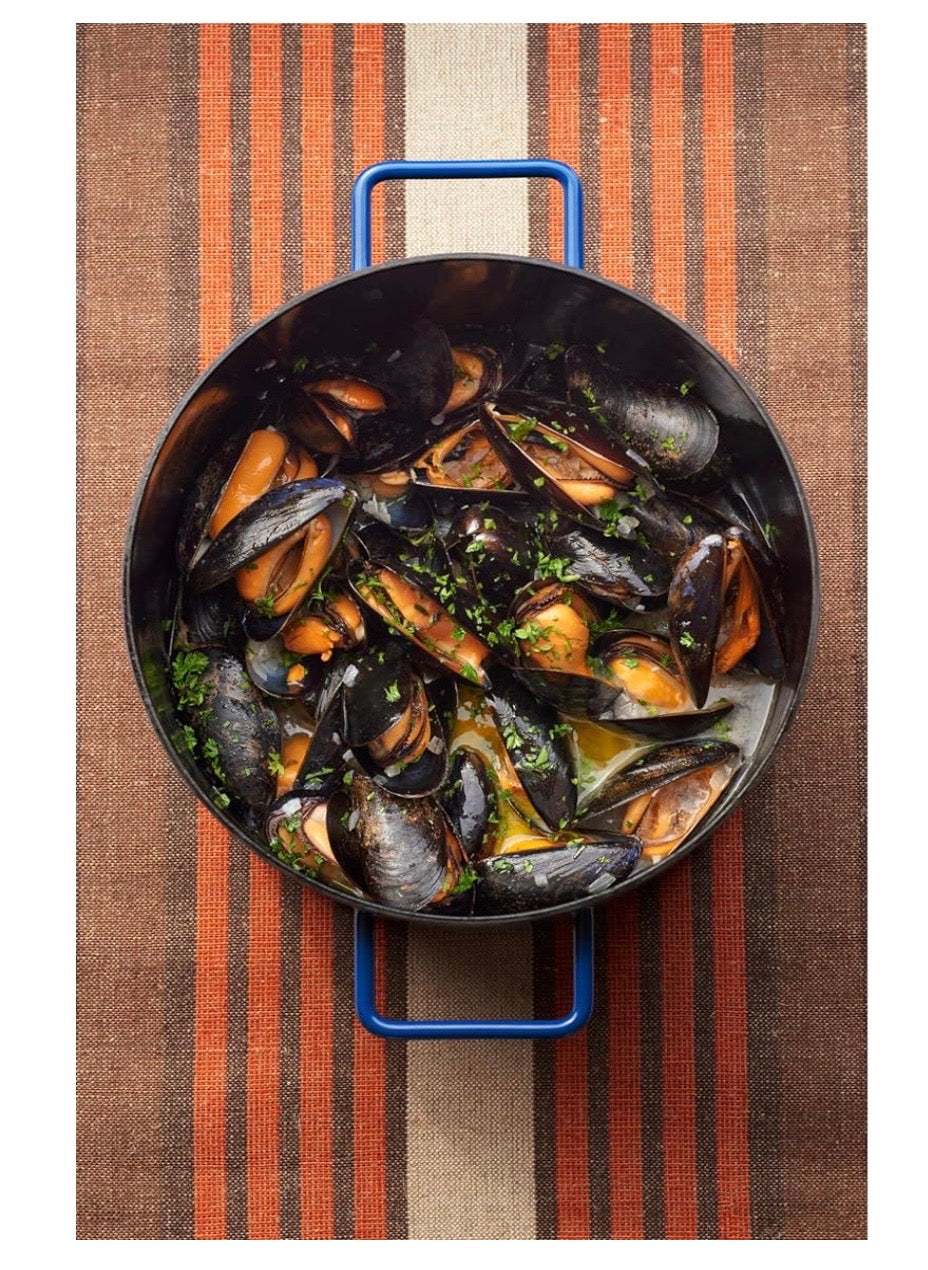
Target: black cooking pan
[(543, 304)]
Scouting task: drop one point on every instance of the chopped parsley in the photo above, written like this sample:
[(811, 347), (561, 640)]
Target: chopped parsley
[(685, 640), (686, 386)]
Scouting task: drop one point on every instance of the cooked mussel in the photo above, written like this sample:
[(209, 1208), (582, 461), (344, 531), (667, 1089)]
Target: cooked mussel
[(498, 555), (554, 873), (297, 835), (410, 609), (398, 850), (468, 799), (328, 414), (392, 726), (671, 428), (325, 624), (234, 732), (623, 572), (278, 548), (478, 372), (663, 796), (463, 461), (562, 453)]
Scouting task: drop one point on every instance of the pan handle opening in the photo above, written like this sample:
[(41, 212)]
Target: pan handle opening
[(365, 1002), (457, 169)]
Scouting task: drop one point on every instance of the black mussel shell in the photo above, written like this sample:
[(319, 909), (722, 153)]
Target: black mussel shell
[(478, 373), (586, 696), (392, 439), (202, 501), (242, 731), (670, 727), (415, 366), (398, 504), (660, 526), (676, 433), (468, 799), (570, 430), (499, 555), (658, 767), (212, 617), (694, 605), (324, 763), (536, 744), (542, 372), (612, 568), (524, 880), (394, 848), (267, 521)]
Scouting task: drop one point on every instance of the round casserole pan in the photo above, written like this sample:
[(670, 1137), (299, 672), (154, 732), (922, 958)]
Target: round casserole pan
[(544, 304)]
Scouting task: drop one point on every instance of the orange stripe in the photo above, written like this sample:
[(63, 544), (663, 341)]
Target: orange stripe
[(264, 882), (667, 166), (731, 1032), (368, 134), (624, 1007), (571, 1135), (729, 957), (318, 157), (215, 190), (317, 1200), (370, 1135), (210, 1058), (676, 923), (615, 158), (718, 107), (678, 1055), (563, 118)]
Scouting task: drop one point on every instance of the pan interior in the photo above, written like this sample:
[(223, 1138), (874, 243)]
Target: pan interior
[(543, 304)]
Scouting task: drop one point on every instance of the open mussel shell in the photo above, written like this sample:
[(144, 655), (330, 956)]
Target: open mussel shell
[(694, 605), (536, 744), (463, 463), (268, 521), (468, 799), (614, 569), (202, 501), (560, 453), (212, 617), (676, 433), (296, 831), (392, 499), (393, 728), (236, 731), (395, 849), (478, 373), (586, 696), (655, 769), (276, 671), (409, 608), (587, 865)]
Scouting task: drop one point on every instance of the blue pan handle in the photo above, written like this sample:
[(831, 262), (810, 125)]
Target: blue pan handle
[(468, 1029), (364, 965), (454, 169)]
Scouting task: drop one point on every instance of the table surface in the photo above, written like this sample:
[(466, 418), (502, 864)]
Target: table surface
[(224, 1088)]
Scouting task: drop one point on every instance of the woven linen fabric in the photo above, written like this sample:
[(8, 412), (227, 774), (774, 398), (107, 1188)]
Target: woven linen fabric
[(225, 1090)]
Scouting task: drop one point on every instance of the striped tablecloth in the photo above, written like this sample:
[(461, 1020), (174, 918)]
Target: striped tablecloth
[(224, 1089)]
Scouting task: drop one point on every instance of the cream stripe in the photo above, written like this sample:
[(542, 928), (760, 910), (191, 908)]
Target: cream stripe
[(466, 98), (470, 1144)]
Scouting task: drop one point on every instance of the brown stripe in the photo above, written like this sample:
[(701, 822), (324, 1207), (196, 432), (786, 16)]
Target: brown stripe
[(180, 820), (537, 51), (291, 155), (290, 1057), (704, 1043), (343, 108), (210, 1185), (238, 948), (624, 1067), (763, 1028), (693, 210), (394, 143), (820, 891), (598, 1079), (122, 870), (652, 1100), (588, 156), (640, 60)]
